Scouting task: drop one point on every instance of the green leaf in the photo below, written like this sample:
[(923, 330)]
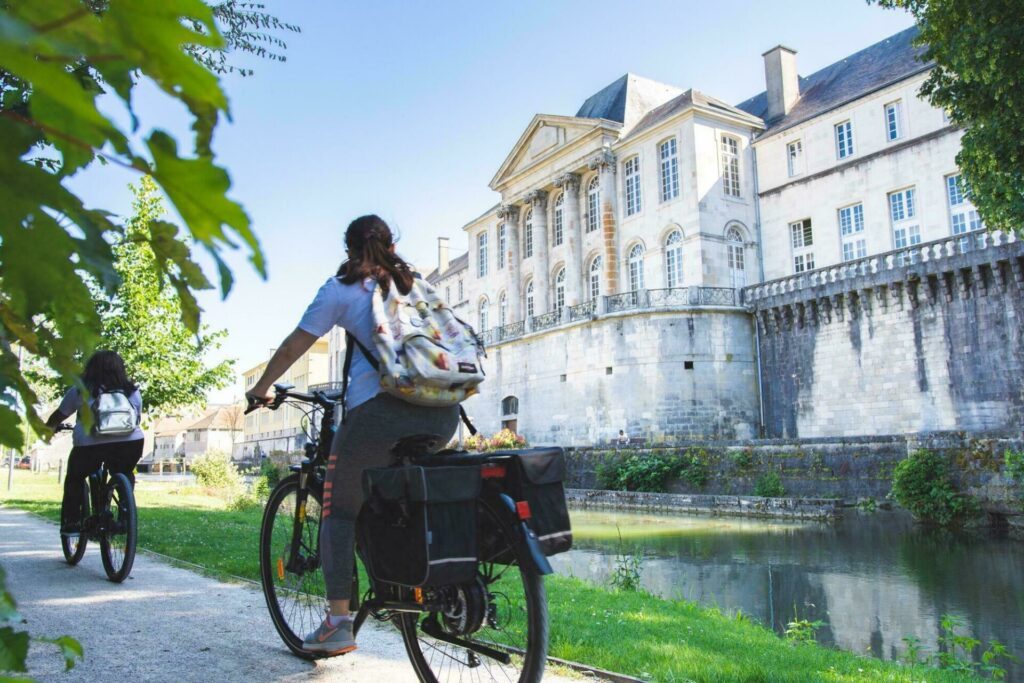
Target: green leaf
[(69, 647), (13, 649)]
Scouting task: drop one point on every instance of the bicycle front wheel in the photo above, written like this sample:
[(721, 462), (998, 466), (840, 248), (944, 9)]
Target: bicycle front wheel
[(293, 583), (74, 548), (118, 526), (495, 629)]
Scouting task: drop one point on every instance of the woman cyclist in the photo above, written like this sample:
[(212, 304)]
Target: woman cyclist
[(104, 371), (375, 421)]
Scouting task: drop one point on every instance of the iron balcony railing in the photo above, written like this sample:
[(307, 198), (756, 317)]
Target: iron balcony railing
[(545, 321), (673, 297), (583, 311)]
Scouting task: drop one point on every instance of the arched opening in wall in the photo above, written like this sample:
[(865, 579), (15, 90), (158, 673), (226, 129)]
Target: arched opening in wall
[(510, 413), (735, 256)]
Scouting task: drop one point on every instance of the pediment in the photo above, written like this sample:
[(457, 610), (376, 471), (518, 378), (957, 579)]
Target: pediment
[(543, 138)]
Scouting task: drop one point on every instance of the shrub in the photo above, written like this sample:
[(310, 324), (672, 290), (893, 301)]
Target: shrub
[(769, 485), (502, 440), (922, 484), (651, 472), (270, 472), (216, 471), (742, 459), (244, 502)]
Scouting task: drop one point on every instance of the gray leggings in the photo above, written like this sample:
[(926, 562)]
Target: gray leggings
[(371, 430)]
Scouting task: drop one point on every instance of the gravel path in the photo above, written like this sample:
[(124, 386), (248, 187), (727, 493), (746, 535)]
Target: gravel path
[(164, 623)]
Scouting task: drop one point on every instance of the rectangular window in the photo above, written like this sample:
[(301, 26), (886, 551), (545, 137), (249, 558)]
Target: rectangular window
[(461, 296), (481, 254), (851, 229), (669, 170), (844, 140), (448, 294), (906, 237), (903, 217), (632, 172), (893, 122), (795, 158), (901, 205), (802, 241), (730, 166), (963, 217), (502, 246)]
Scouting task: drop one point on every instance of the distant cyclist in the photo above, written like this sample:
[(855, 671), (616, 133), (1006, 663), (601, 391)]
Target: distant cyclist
[(114, 401), (375, 421)]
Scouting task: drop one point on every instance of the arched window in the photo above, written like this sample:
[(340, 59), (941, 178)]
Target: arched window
[(509, 406), (528, 234), (636, 268), (529, 300), (502, 310), (483, 315), (559, 232), (559, 290), (734, 249), (674, 259), (593, 204), (594, 277)]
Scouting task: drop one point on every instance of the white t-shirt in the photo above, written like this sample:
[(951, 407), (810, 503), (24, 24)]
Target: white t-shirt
[(348, 307)]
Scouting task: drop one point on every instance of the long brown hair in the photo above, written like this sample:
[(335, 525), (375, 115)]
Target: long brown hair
[(371, 253), (105, 369)]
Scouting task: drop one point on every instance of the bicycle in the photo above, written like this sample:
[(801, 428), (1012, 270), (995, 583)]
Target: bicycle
[(114, 524), (493, 628)]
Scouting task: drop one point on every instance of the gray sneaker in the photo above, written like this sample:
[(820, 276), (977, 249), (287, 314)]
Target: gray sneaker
[(331, 640)]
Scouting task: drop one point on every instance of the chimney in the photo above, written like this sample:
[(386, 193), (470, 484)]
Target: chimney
[(442, 254), (781, 80)]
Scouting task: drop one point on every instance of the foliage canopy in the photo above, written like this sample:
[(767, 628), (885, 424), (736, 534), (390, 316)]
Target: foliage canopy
[(978, 79), (57, 57)]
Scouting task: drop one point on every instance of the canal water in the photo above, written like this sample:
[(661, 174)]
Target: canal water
[(873, 579)]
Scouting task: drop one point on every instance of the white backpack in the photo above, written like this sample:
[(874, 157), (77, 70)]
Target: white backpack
[(428, 356), (113, 414)]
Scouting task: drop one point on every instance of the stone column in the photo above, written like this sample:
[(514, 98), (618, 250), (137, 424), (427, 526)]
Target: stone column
[(570, 184), (605, 163), (541, 276), (508, 214)]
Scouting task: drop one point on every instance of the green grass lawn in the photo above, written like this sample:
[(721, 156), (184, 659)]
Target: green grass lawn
[(632, 633)]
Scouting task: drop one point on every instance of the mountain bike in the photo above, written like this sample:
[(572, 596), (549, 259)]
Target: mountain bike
[(492, 628), (110, 517)]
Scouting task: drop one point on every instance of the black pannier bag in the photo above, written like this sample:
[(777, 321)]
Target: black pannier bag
[(418, 527), (536, 475)]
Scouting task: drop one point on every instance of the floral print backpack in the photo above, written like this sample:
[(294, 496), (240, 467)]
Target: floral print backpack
[(428, 356)]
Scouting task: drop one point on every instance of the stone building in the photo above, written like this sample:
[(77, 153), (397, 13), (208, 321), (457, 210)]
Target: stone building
[(806, 262), (269, 431)]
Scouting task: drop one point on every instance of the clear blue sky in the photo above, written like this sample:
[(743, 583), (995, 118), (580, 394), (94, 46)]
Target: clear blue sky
[(407, 110)]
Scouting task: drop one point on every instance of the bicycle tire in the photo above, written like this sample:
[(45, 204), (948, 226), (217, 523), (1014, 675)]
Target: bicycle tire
[(295, 599), (74, 548), (118, 518), (441, 665)]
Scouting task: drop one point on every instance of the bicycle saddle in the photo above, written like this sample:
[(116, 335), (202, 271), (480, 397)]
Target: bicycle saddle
[(418, 444)]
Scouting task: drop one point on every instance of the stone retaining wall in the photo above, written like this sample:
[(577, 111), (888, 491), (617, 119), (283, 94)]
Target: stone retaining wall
[(733, 506), (847, 469)]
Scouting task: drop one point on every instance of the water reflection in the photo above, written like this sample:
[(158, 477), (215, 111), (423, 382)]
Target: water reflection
[(873, 579)]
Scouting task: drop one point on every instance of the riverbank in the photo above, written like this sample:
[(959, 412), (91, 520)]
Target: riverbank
[(819, 509), (630, 632)]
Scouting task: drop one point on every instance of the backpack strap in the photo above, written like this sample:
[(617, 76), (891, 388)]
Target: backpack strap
[(350, 346)]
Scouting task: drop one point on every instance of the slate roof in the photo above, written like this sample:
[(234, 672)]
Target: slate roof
[(456, 264), (626, 99), (220, 417), (681, 103), (871, 69)]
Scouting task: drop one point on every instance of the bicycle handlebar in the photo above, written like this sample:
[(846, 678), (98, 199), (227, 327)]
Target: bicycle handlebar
[(282, 392)]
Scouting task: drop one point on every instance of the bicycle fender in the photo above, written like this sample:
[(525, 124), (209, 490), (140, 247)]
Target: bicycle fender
[(537, 557)]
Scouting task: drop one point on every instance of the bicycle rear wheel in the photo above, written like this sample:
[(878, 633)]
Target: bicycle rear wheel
[(118, 528), (74, 548), (293, 587), (502, 616)]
